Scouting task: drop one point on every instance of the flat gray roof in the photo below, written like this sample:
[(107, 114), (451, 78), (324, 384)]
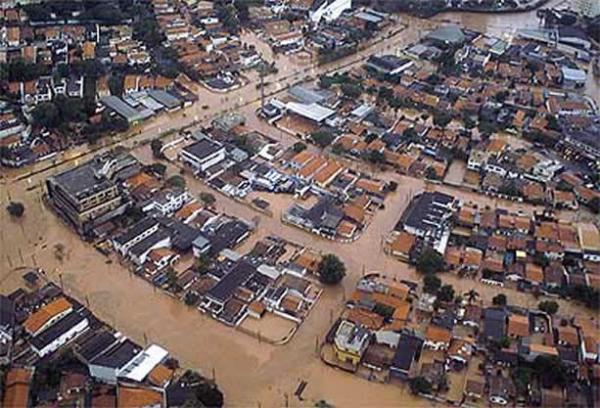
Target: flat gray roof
[(164, 98), (125, 110)]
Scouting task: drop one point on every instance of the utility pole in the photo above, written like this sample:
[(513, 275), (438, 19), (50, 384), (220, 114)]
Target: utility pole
[(262, 87)]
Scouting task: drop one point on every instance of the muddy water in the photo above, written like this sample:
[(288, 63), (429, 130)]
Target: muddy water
[(250, 373)]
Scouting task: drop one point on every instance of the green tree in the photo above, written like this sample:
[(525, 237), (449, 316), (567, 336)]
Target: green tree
[(375, 157), (208, 199), (176, 181), (550, 370), (322, 138), (209, 394), (156, 145), (472, 296), (47, 115), (351, 90), (115, 85), (202, 264), (442, 119), (431, 284), (430, 261), (172, 280), (156, 168), (420, 385), (548, 306), (331, 270), (430, 173), (446, 293), (298, 147), (15, 209), (499, 300)]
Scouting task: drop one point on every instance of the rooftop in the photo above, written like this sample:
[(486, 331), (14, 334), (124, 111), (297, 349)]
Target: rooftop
[(118, 355)]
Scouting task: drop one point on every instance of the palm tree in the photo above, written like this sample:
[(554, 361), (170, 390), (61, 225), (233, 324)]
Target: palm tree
[(472, 296)]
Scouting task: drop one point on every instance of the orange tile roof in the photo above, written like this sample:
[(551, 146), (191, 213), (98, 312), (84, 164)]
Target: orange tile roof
[(568, 335), (327, 173), (188, 209), (543, 349), (534, 273), (129, 397), (89, 50), (38, 319), (160, 375), (355, 213), (547, 230), (472, 256), (452, 256), (402, 312), (370, 186), (404, 161), (403, 243), (157, 254), (496, 145), (346, 229), (303, 157), (364, 317), (518, 325), (307, 260), (16, 388), (142, 179), (312, 167), (438, 334), (257, 307), (387, 299)]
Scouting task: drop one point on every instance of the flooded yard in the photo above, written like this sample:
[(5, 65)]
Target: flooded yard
[(270, 328)]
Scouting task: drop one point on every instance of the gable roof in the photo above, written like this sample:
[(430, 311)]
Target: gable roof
[(38, 319)]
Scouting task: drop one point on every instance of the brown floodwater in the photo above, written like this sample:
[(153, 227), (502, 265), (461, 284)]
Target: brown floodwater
[(250, 373)]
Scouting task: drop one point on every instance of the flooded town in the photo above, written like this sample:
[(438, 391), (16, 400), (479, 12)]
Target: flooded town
[(278, 203)]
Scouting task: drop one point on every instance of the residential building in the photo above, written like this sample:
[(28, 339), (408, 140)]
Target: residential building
[(589, 240), (136, 233), (47, 315), (107, 366), (351, 342), (389, 64), (428, 217), (406, 358), (16, 387), (203, 154), (7, 326), (167, 201), (59, 334)]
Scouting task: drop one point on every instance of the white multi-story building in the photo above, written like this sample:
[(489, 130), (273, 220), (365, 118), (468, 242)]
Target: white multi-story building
[(203, 154)]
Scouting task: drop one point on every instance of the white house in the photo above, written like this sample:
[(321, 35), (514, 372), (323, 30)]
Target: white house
[(168, 201), (59, 334), (203, 154), (107, 366), (134, 234), (139, 252)]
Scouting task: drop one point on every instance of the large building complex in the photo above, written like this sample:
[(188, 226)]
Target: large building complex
[(89, 195)]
